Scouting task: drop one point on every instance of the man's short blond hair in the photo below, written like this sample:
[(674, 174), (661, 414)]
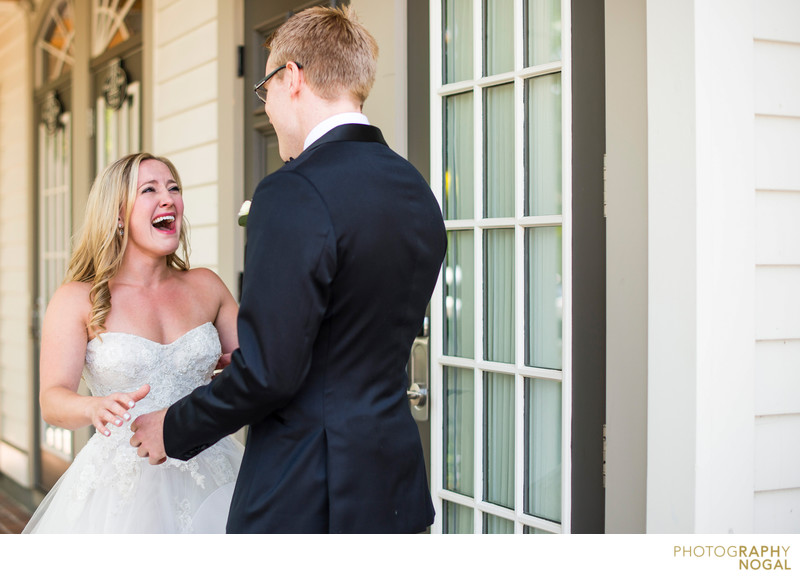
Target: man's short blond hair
[(337, 53)]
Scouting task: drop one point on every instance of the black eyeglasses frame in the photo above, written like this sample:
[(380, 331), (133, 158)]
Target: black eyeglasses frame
[(261, 85)]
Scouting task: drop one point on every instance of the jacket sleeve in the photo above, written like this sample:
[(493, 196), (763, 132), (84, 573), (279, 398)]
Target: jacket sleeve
[(289, 265)]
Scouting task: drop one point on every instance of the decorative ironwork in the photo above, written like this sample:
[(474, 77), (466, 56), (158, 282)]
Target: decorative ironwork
[(51, 111), (115, 88)]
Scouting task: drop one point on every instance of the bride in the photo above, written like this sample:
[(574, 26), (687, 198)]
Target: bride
[(143, 330)]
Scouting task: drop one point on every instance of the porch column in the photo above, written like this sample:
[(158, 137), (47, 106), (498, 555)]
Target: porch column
[(701, 266)]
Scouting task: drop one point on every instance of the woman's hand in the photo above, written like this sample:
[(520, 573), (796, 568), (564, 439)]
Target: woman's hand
[(114, 408)]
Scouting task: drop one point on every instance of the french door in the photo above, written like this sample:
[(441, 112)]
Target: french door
[(55, 231), (501, 312)]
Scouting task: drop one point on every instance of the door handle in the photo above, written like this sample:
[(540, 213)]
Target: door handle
[(417, 394)]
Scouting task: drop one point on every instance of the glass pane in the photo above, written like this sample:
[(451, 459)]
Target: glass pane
[(273, 155), (498, 452), (457, 40), (493, 525), (115, 30), (499, 151), (55, 209), (498, 282), (543, 145), (459, 157), (543, 43), (526, 530), (115, 23), (458, 518), (57, 41), (499, 48), (542, 489), (459, 430), (110, 132), (459, 294), (543, 297)]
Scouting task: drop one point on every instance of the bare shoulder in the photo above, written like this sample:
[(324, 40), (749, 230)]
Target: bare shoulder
[(203, 276), (73, 295), (70, 305), (205, 280)]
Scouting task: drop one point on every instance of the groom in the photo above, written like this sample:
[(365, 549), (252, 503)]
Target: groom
[(344, 246)]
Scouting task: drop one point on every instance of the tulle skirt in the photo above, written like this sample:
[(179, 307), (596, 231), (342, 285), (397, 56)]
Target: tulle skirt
[(110, 489)]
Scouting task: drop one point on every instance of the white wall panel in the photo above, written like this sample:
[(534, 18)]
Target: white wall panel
[(188, 90), (777, 90), (777, 512), (777, 377), (201, 205), (777, 141), (190, 128), (13, 254), (386, 105), (777, 145), (16, 221), (204, 246), (778, 226), (12, 54), (777, 306), (13, 234), (15, 464), (186, 110), (197, 166), (777, 452), (16, 422), (195, 48), (162, 5), (183, 17), (777, 20)]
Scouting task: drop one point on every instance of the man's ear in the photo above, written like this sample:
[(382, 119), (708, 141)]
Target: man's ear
[(296, 77)]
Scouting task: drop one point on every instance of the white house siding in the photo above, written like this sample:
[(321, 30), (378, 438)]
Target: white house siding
[(185, 112), (777, 181), (16, 236)]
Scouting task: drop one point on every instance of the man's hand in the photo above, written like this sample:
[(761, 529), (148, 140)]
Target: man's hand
[(224, 361), (148, 436)]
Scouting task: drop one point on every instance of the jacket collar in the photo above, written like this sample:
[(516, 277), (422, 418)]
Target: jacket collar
[(353, 132)]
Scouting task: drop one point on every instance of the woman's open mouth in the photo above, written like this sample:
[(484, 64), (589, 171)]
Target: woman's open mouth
[(165, 223)]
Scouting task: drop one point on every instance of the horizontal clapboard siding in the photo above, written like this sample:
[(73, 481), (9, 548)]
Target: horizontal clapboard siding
[(186, 106), (777, 387), (16, 233)]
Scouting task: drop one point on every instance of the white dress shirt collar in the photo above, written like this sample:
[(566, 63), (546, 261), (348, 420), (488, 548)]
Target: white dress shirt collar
[(332, 122)]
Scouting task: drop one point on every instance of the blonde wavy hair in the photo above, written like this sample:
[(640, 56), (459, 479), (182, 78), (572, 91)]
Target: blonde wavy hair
[(100, 248), (337, 52)]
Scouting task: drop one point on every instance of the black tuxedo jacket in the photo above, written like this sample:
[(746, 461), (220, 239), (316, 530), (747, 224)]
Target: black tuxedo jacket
[(344, 246)]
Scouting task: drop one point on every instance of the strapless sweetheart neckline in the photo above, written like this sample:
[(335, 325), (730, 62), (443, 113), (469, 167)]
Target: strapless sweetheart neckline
[(175, 341)]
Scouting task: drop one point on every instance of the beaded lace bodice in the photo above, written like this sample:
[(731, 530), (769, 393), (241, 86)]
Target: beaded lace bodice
[(120, 362)]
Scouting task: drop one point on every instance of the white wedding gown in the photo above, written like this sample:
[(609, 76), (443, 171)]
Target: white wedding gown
[(109, 488)]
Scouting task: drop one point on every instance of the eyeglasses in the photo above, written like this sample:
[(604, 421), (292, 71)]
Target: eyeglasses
[(261, 88)]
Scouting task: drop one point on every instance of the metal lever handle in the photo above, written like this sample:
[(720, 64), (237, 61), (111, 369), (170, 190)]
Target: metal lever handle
[(417, 395)]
